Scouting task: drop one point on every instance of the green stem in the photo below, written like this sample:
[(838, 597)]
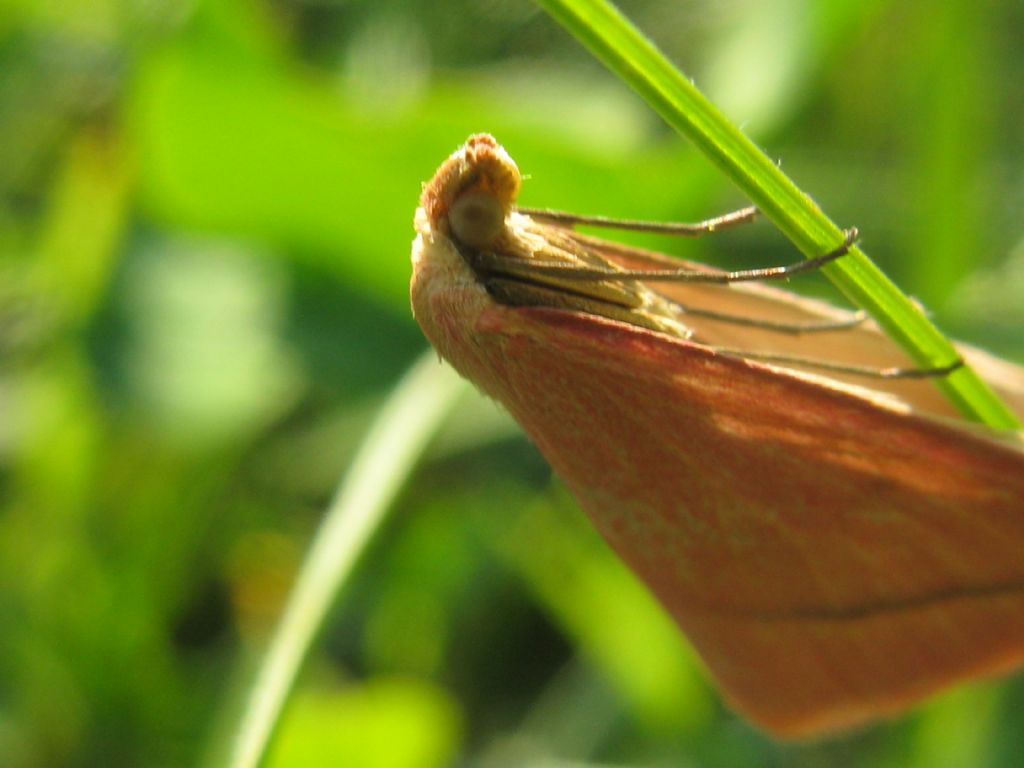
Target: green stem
[(391, 449), (625, 51)]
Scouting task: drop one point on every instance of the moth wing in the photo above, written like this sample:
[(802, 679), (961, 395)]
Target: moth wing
[(831, 559), (832, 556)]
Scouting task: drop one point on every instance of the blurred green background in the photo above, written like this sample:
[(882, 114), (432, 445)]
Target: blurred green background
[(204, 233)]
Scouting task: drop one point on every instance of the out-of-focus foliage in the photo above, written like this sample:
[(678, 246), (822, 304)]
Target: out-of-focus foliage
[(204, 231)]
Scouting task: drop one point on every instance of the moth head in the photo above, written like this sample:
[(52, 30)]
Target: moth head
[(476, 219), (473, 192)]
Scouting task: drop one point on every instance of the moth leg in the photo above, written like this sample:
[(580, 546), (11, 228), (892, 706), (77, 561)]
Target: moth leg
[(569, 271), (796, 328), (866, 371), (695, 229), (807, 265)]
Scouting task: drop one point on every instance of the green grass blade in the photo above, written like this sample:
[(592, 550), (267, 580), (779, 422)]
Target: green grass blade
[(625, 51), (391, 449)]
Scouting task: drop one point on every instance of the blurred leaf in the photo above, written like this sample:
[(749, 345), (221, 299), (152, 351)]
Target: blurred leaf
[(379, 724), (79, 241), (205, 362), (943, 739), (950, 83), (770, 56)]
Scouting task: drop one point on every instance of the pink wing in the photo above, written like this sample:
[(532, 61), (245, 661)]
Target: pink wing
[(833, 557)]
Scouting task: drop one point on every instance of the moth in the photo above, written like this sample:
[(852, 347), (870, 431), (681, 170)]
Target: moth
[(834, 541)]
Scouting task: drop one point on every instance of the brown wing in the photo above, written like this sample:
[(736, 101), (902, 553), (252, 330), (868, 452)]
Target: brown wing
[(831, 558)]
